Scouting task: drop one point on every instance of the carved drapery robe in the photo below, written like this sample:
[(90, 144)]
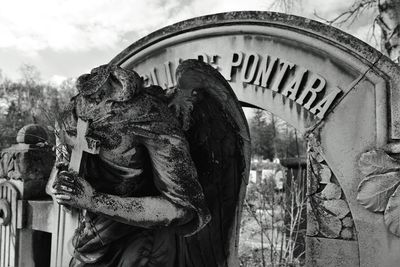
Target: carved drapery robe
[(144, 153)]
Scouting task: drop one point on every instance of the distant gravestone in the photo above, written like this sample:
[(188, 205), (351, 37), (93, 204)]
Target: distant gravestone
[(24, 171), (340, 92), (253, 176), (32, 134)]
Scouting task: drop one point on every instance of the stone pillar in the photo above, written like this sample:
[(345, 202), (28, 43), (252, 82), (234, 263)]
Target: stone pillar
[(24, 171), (28, 163), (330, 226)]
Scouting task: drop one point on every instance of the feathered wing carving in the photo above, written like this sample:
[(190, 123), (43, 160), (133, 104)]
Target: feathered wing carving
[(219, 140)]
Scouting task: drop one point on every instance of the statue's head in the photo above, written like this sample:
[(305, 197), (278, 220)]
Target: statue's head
[(109, 82), (105, 86)]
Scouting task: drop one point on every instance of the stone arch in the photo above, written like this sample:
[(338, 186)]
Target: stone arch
[(321, 80)]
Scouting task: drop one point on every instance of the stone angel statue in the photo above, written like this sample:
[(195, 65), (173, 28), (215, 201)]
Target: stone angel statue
[(167, 184)]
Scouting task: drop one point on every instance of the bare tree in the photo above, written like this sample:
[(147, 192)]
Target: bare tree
[(278, 216), (350, 14), (387, 19), (30, 74)]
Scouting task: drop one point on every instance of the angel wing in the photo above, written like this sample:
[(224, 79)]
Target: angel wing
[(219, 140)]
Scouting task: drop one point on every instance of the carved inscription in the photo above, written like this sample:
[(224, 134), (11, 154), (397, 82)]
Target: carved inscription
[(295, 82)]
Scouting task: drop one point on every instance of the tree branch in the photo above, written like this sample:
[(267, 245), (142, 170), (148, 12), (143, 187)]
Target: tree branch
[(350, 15)]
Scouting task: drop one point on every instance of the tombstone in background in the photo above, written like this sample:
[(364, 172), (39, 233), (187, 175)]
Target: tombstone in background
[(24, 172), (28, 163), (253, 176)]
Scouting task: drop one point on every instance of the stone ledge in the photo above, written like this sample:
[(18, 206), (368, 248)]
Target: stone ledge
[(324, 252)]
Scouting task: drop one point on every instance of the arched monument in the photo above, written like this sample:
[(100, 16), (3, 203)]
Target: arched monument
[(342, 93)]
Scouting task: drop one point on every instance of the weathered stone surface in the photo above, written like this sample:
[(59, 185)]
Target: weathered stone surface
[(374, 191), (331, 252), (313, 175), (312, 223), (325, 174), (32, 134), (28, 165), (329, 225), (392, 213), (347, 233), (317, 156), (326, 207), (377, 161), (331, 191), (347, 222), (379, 190), (338, 207), (26, 162)]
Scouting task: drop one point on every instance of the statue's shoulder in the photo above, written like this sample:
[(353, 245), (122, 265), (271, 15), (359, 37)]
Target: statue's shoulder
[(150, 110), (146, 103)]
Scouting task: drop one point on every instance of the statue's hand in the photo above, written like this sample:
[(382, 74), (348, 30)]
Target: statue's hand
[(71, 190), (60, 166)]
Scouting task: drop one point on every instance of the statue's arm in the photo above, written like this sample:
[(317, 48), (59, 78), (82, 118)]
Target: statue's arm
[(145, 212), (175, 176)]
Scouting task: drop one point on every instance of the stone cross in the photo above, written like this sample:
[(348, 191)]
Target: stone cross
[(81, 144), (68, 221)]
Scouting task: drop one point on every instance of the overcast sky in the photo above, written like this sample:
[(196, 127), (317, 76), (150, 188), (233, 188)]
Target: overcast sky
[(65, 38)]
